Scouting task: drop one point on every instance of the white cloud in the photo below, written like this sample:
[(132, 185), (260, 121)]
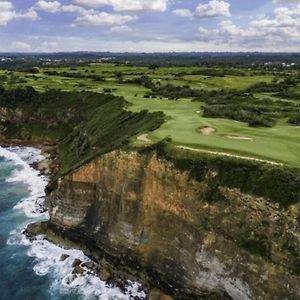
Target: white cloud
[(103, 19), (214, 8), (126, 5), (30, 14), (20, 47), (87, 16), (183, 13), (48, 46), (276, 33), (48, 6), (73, 9), (286, 1), (121, 29), (8, 13), (57, 7), (5, 6)]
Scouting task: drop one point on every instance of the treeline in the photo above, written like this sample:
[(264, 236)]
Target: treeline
[(241, 106), (77, 75), (227, 60), (231, 104), (215, 72), (16, 97), (295, 119), (286, 89), (290, 94), (273, 87)]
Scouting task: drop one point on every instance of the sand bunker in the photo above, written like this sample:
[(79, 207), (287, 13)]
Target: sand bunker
[(144, 138), (242, 138), (206, 130)]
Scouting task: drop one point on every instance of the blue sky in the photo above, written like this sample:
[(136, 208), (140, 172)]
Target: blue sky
[(149, 25)]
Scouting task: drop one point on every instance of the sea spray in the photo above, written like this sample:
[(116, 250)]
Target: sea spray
[(46, 255)]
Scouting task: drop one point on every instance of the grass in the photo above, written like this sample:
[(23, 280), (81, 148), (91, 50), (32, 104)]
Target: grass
[(280, 143)]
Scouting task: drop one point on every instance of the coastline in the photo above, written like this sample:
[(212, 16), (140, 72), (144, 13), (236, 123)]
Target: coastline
[(113, 266), (128, 281), (49, 165)]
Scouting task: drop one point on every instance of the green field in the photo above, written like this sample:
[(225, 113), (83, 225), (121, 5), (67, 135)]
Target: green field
[(183, 117)]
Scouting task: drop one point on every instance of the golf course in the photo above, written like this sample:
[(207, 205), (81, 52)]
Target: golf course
[(184, 123)]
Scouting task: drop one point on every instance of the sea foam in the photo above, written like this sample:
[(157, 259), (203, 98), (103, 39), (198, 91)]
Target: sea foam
[(47, 255)]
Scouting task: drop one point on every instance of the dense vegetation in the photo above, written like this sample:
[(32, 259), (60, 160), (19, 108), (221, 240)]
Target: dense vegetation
[(76, 75), (245, 107), (224, 60), (84, 124), (231, 103), (122, 102), (277, 184), (225, 98)]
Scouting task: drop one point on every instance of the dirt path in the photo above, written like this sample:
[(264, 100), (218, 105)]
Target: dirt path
[(231, 155)]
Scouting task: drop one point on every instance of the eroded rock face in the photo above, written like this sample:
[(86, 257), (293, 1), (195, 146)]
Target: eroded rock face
[(143, 213)]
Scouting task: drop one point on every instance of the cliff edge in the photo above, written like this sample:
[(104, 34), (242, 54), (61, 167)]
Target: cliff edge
[(139, 210)]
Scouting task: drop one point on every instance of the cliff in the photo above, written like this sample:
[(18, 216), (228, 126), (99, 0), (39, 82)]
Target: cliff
[(80, 124), (139, 211), (194, 226)]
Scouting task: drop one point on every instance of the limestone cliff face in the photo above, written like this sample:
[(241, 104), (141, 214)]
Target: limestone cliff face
[(144, 213)]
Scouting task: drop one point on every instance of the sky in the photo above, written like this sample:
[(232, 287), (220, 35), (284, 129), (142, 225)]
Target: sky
[(149, 25)]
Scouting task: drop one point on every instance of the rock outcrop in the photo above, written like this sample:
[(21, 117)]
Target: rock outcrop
[(139, 211)]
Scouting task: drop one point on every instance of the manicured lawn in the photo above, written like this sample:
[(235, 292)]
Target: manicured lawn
[(281, 143), (183, 117)]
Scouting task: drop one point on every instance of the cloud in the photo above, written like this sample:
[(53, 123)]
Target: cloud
[(121, 29), (102, 19), (214, 8), (183, 13), (73, 9), (8, 13), (57, 7), (48, 46), (6, 6), (126, 5), (87, 16), (48, 6), (276, 32), (20, 47), (286, 1)]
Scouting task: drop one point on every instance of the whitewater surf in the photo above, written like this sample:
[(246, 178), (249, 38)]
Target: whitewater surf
[(33, 269)]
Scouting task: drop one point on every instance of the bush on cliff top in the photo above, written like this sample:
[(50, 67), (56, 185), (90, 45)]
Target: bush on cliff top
[(84, 124), (275, 183)]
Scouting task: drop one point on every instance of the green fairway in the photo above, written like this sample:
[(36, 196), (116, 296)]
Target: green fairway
[(183, 117), (281, 143)]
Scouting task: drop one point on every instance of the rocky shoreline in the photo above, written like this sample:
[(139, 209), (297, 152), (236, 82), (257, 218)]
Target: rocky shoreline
[(101, 268), (140, 218), (49, 166)]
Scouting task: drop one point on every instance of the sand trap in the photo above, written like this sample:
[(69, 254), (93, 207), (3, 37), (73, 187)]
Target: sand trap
[(144, 138), (206, 130), (242, 138)]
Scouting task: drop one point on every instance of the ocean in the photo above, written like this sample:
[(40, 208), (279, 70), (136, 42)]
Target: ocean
[(32, 269)]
